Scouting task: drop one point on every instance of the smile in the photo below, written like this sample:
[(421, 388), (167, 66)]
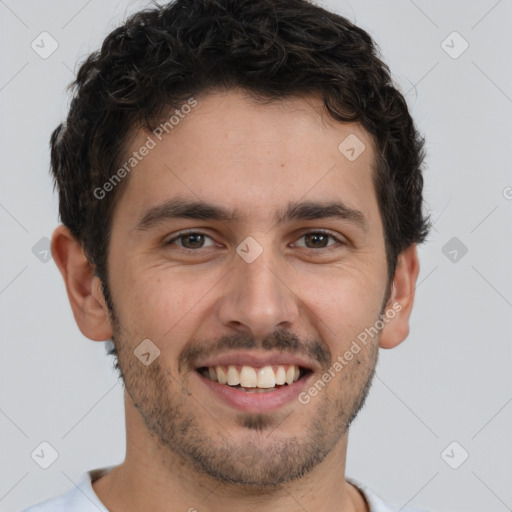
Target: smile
[(254, 379), (255, 382)]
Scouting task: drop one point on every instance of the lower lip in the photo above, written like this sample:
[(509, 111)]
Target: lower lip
[(256, 402)]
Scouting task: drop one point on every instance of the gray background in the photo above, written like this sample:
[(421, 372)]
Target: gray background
[(450, 381)]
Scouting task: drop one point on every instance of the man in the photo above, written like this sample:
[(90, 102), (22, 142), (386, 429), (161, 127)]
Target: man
[(240, 188)]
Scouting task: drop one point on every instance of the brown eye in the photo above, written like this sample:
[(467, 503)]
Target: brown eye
[(317, 240), (190, 241)]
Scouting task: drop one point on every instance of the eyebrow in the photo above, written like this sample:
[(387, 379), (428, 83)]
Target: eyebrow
[(200, 210)]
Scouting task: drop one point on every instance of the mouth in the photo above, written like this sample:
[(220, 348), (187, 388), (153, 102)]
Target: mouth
[(255, 383), (255, 379)]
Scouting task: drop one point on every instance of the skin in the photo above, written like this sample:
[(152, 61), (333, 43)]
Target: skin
[(186, 448)]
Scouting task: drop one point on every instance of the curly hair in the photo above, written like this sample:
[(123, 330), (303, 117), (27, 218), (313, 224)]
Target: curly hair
[(270, 48)]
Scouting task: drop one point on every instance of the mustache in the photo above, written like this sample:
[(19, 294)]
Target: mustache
[(280, 340)]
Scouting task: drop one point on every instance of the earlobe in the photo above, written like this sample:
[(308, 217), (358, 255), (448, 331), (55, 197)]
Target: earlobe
[(400, 303), (82, 286)]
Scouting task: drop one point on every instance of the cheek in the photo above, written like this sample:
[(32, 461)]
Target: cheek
[(163, 304), (345, 305)]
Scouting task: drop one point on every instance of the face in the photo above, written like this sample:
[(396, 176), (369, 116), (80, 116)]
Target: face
[(256, 285)]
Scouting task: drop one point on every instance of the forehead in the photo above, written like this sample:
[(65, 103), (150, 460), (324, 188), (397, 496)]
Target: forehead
[(252, 157)]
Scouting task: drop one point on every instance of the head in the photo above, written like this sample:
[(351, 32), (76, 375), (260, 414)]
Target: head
[(273, 120)]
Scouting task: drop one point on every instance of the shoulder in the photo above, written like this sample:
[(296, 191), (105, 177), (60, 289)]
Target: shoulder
[(376, 503), (80, 498), (58, 504)]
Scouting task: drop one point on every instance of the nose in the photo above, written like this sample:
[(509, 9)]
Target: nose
[(258, 298)]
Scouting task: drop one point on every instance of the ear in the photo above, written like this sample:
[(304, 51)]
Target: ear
[(83, 287), (401, 298)]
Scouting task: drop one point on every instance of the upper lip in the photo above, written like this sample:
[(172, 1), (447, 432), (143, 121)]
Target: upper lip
[(256, 360)]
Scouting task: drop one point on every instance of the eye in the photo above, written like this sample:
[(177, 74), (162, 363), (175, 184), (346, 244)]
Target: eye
[(318, 240), (194, 240), (191, 240)]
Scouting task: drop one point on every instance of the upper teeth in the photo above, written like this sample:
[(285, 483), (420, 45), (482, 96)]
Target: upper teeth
[(249, 377)]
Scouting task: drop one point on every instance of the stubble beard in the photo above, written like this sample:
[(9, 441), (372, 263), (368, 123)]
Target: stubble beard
[(268, 457)]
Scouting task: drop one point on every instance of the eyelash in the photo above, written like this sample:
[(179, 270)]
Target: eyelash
[(315, 232)]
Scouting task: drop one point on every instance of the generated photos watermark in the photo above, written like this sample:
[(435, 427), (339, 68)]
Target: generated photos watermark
[(144, 150), (343, 360)]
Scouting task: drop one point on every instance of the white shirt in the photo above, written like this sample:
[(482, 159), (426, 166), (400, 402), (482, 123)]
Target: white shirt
[(82, 498)]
